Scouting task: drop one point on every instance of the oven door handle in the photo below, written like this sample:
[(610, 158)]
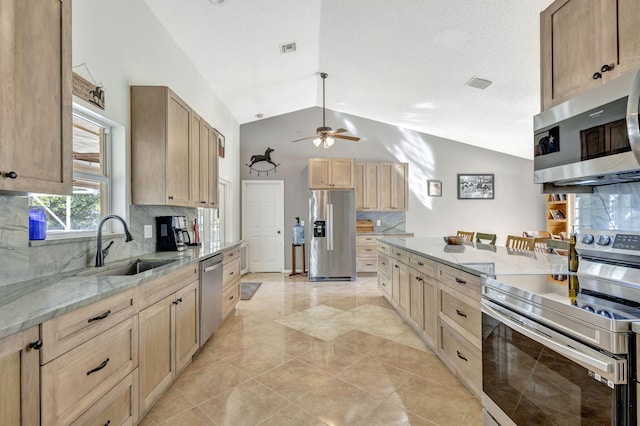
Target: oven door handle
[(611, 368)]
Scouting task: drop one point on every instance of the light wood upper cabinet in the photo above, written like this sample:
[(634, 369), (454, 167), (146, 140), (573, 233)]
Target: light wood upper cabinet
[(331, 173), (160, 138), (578, 38), (393, 186), (35, 97), (204, 163), (366, 186), (20, 379)]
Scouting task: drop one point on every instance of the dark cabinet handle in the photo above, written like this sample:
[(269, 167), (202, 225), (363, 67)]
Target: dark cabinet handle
[(420, 264), (459, 281), (230, 273), (462, 314), (36, 345), (107, 423), (10, 175), (383, 284), (179, 300), (596, 75), (461, 357), (231, 298), (99, 317), (606, 68), (171, 197), (396, 266), (100, 367)]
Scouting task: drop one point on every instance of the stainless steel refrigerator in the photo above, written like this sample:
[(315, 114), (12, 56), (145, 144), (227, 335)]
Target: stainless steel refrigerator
[(332, 218)]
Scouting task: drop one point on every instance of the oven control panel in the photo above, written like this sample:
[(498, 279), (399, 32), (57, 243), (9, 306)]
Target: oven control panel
[(609, 241)]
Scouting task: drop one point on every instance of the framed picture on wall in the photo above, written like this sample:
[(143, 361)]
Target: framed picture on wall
[(475, 186), (434, 188), (220, 144)]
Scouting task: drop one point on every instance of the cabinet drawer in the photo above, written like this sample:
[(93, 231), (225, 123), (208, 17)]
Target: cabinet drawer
[(384, 265), (230, 255), (423, 265), (230, 272), (384, 283), (152, 291), (399, 254), (462, 281), (230, 298), (366, 250), (462, 310), (463, 357), (118, 407), (384, 248), (67, 331), (366, 265), (363, 239), (76, 380)]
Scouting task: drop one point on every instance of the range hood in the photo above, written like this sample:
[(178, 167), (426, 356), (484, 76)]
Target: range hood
[(590, 140)]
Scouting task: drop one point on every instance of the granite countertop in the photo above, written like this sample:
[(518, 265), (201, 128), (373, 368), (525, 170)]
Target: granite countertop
[(28, 303), (409, 234), (483, 259)]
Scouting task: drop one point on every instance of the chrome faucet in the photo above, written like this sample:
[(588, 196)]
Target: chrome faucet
[(101, 254)]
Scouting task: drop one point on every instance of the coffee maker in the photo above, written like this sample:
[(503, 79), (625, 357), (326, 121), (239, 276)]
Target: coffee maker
[(172, 233)]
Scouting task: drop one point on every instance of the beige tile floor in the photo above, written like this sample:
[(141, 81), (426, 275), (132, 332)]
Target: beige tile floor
[(301, 353)]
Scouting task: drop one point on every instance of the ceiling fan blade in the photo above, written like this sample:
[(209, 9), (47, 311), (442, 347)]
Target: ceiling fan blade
[(304, 139), (351, 138), (341, 130)]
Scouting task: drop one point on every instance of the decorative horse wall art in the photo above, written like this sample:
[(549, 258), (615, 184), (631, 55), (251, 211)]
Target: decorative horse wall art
[(262, 158)]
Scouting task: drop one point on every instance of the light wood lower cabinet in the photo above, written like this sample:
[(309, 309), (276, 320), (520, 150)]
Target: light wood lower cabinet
[(79, 378), (230, 281), (442, 305), (168, 338), (20, 379), (118, 407)]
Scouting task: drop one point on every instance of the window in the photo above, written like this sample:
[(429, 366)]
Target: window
[(89, 202)]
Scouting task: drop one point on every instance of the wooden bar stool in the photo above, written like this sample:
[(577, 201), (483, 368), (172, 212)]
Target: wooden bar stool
[(293, 260)]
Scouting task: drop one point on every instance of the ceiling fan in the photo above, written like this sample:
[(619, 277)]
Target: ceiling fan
[(325, 136)]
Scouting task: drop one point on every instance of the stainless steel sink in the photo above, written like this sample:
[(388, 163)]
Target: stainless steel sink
[(136, 267)]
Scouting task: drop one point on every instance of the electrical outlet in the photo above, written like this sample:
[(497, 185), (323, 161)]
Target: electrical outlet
[(148, 231), (302, 222), (378, 222)]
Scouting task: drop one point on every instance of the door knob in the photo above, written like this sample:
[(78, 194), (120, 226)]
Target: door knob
[(278, 232)]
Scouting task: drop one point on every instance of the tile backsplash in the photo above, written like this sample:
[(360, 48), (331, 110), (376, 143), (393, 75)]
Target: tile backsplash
[(20, 261), (389, 221), (615, 207)]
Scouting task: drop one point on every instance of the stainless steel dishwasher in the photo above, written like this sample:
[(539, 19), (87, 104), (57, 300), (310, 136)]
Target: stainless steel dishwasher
[(210, 296)]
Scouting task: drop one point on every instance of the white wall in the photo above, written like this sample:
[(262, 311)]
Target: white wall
[(123, 44), (518, 203)]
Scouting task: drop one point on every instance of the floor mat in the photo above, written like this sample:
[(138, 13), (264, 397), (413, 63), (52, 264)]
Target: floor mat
[(248, 289)]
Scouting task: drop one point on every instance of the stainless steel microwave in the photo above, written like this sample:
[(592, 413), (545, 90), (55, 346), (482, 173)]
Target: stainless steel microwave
[(592, 139)]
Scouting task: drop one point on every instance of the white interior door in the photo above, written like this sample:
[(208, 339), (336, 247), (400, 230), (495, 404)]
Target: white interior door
[(263, 224)]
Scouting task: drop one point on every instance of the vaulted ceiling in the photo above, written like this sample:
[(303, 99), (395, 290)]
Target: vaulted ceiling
[(404, 63)]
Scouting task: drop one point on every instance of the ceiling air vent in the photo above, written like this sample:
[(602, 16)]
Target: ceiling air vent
[(288, 47), (479, 83)]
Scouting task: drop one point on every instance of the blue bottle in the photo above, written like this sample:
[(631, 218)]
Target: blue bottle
[(37, 223), (298, 233)]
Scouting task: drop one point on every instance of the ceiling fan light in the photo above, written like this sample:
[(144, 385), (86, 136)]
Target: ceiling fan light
[(317, 142), (329, 141)]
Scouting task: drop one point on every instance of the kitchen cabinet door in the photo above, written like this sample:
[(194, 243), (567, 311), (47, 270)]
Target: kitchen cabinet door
[(187, 327), (331, 173), (416, 310), (212, 167), (20, 379), (206, 165), (156, 351), (359, 185), (198, 185), (394, 186), (161, 125), (580, 37), (399, 285), (430, 306), (178, 158), (35, 120), (366, 186)]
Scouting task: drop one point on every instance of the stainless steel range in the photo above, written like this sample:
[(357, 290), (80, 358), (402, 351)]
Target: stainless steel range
[(556, 355)]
